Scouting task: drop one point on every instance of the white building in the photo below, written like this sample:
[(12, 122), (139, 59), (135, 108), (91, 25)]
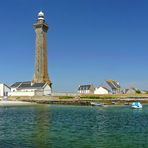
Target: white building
[(86, 89), (30, 89), (101, 90), (4, 90)]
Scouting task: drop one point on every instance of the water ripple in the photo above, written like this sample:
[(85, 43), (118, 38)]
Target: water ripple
[(73, 127)]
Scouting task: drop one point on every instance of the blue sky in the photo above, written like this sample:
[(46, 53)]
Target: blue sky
[(89, 41)]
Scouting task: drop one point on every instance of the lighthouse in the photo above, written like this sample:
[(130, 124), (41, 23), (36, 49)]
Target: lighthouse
[(41, 84), (41, 64)]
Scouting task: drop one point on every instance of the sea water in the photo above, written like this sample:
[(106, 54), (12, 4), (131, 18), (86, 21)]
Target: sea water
[(61, 126)]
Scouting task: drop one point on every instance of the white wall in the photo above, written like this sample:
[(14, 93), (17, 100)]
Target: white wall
[(47, 90), (4, 90), (13, 89), (21, 93), (31, 92), (1, 90), (27, 90), (84, 91), (101, 90)]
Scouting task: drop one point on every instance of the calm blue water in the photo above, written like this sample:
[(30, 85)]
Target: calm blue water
[(73, 127)]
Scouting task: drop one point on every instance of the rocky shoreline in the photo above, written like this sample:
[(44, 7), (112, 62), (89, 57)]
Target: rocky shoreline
[(82, 100), (79, 101)]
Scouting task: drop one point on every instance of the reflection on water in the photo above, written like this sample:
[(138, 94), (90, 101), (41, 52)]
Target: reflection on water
[(73, 127), (24, 126), (42, 125)]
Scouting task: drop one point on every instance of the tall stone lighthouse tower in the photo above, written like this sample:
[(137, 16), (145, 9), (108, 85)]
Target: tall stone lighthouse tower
[(41, 65)]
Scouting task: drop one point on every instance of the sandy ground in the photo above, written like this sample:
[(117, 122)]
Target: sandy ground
[(15, 103)]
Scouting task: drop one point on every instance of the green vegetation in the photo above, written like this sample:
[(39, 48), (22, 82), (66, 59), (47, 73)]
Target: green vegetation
[(114, 96), (66, 97), (98, 97), (138, 91)]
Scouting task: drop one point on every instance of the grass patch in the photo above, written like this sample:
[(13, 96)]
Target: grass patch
[(65, 97), (98, 97), (112, 96)]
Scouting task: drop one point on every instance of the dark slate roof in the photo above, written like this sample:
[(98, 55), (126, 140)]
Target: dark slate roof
[(28, 85), (16, 84), (7, 86), (38, 84), (84, 87)]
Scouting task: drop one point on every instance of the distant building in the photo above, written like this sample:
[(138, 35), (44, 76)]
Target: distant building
[(143, 91), (130, 91), (30, 89), (114, 85), (86, 89), (4, 90), (101, 90)]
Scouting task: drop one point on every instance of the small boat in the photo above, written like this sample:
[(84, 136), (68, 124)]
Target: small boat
[(114, 102), (126, 103), (96, 104), (136, 105)]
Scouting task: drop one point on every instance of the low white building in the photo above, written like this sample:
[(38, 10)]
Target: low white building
[(101, 90), (86, 89), (4, 90), (30, 89)]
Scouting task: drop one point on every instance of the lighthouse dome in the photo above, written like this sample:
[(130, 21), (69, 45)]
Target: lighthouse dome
[(40, 15)]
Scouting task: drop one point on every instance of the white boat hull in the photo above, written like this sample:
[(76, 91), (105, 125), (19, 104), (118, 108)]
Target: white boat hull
[(96, 104), (136, 107)]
